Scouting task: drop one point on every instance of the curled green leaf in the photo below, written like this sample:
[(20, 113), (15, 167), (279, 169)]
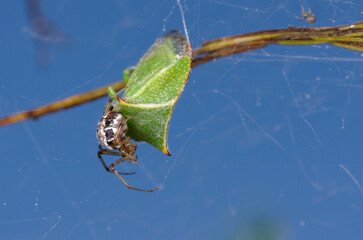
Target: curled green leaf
[(154, 87)]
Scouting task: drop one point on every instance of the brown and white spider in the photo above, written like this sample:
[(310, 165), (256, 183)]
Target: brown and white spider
[(111, 133)]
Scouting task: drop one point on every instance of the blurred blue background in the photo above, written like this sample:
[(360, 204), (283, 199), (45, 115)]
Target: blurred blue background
[(255, 155)]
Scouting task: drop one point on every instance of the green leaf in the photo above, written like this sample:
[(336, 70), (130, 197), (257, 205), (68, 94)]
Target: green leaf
[(154, 87)]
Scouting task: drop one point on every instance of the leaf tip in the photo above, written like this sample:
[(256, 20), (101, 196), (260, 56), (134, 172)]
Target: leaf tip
[(166, 151)]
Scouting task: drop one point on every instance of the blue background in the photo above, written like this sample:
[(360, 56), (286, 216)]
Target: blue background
[(251, 158)]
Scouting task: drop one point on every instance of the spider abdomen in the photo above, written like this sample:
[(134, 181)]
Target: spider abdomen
[(112, 130)]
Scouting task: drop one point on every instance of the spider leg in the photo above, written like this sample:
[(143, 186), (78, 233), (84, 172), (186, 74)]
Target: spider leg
[(125, 141), (123, 180), (128, 149), (107, 106), (129, 117), (108, 152)]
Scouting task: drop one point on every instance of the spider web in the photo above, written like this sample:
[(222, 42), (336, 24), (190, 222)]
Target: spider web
[(266, 142)]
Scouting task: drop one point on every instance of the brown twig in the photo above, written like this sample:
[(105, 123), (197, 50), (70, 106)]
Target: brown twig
[(62, 104), (348, 36)]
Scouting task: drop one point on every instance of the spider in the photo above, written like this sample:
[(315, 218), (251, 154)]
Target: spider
[(310, 17), (111, 133)]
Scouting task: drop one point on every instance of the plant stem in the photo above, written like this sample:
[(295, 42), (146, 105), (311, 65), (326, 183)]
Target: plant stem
[(347, 36)]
